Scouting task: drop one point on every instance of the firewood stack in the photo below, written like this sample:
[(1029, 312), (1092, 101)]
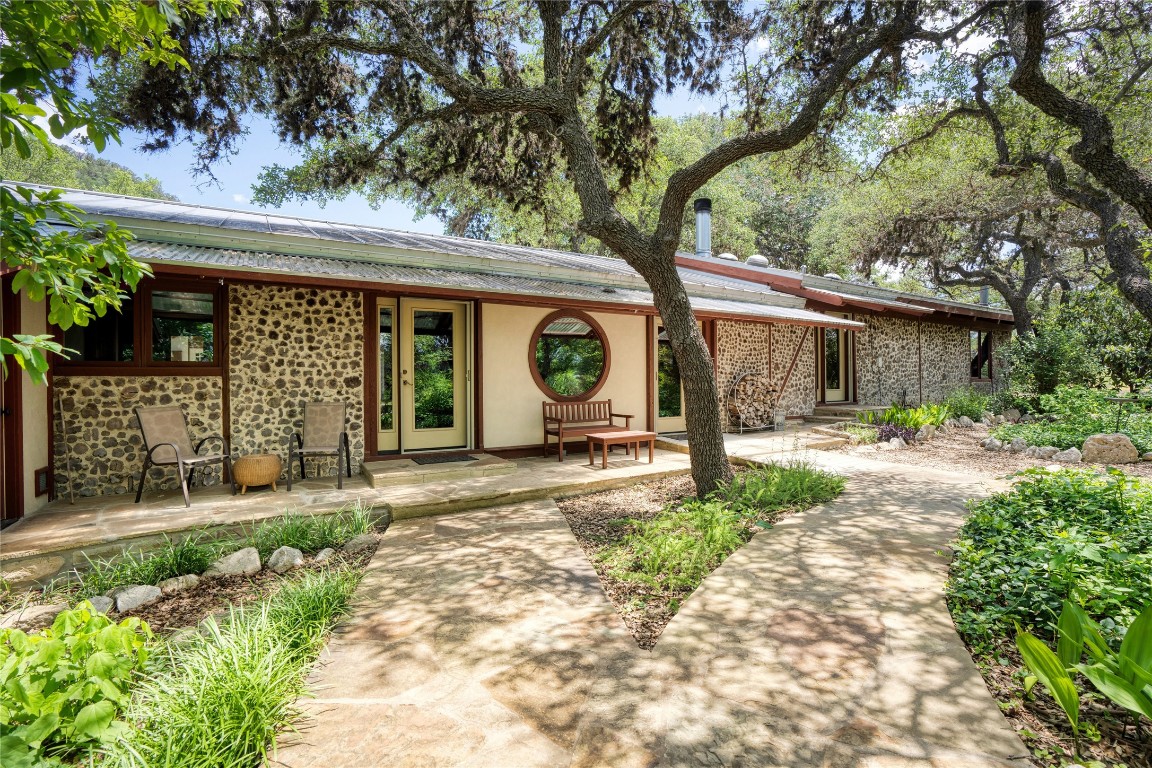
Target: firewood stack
[(752, 401)]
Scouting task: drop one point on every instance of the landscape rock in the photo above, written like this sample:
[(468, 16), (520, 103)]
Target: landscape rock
[(992, 444), (1027, 418), (1012, 414), (927, 432), (101, 604), (1110, 449), (1032, 452), (1146, 456), (285, 559), (32, 616), (324, 555), (897, 443), (1070, 456), (1018, 445), (178, 584), (240, 563), (1047, 452), (365, 542), (964, 421), (135, 596)]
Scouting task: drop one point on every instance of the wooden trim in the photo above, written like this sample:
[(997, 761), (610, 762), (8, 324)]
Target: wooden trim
[(920, 359), (855, 369), (12, 449), (650, 374), (596, 327), (478, 373), (821, 393), (225, 340), (795, 358), (371, 373)]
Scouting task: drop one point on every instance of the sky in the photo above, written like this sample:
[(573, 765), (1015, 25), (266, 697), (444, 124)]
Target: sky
[(260, 148)]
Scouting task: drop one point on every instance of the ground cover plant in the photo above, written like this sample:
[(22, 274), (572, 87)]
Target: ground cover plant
[(865, 434), (221, 695), (1058, 538), (63, 688), (906, 418), (1071, 415), (653, 544), (967, 401)]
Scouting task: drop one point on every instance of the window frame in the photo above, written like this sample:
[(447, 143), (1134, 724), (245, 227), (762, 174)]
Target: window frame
[(535, 339), (142, 363), (979, 344)]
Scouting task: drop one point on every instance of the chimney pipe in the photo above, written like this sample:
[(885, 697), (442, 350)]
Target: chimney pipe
[(703, 208), (984, 296)]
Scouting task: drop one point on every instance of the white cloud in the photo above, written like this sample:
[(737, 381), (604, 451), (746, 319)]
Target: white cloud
[(239, 199), (975, 44)]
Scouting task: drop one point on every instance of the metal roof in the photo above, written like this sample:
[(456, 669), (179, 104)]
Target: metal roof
[(492, 283)]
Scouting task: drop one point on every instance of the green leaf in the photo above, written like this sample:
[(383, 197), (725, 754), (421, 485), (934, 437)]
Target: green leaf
[(1118, 690), (93, 720), (1136, 649), (1070, 643), (39, 729), (1047, 667)]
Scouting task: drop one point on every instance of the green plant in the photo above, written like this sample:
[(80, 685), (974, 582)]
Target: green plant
[(906, 417), (865, 433), (191, 555), (219, 697), (61, 689), (968, 401), (1060, 534), (773, 487), (1075, 414), (1056, 355), (309, 533)]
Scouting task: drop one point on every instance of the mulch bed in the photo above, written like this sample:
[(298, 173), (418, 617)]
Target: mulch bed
[(1044, 727)]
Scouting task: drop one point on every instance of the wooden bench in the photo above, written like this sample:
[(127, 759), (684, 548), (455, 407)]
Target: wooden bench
[(576, 420)]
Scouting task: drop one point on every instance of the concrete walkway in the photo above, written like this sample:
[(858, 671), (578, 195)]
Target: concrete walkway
[(485, 639)]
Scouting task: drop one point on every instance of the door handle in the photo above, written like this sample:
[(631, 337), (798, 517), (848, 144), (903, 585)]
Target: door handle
[(5, 411), (406, 383)]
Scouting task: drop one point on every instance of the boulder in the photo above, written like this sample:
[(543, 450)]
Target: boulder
[(285, 559), (243, 562), (950, 422), (178, 583), (136, 596), (1032, 452), (1012, 414), (926, 433), (101, 604), (324, 555), (32, 616), (1018, 445), (992, 444), (1027, 418), (964, 421), (365, 542), (1146, 456), (1070, 456), (1047, 452), (1110, 449)]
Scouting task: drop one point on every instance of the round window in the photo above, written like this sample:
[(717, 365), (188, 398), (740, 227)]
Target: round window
[(569, 356)]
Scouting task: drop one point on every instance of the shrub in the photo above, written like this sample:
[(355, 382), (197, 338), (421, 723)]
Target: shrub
[(220, 696), (908, 418), (1064, 534), (61, 689), (1078, 413), (889, 431), (968, 401), (1057, 354), (309, 533)]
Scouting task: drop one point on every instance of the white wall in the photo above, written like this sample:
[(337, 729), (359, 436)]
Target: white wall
[(34, 399), (512, 412)]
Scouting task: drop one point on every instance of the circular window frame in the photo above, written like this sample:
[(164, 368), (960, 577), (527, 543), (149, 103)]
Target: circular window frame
[(542, 385)]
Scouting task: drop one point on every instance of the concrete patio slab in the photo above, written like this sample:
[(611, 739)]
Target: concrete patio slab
[(484, 638)]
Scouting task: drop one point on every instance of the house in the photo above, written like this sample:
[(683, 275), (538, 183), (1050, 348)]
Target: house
[(436, 343)]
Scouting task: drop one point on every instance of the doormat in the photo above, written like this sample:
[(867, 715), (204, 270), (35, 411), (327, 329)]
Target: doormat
[(675, 435), (441, 459)]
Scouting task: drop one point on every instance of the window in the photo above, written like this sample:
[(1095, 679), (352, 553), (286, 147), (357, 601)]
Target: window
[(165, 325), (569, 356), (981, 350)]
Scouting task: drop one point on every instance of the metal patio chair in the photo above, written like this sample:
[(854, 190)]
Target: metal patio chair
[(324, 434), (169, 444)]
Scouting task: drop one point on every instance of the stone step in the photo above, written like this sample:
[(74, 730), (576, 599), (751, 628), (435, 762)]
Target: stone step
[(820, 418), (826, 443), (826, 432), (383, 474)]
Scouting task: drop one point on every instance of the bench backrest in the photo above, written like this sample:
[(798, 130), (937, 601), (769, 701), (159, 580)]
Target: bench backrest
[(577, 413)]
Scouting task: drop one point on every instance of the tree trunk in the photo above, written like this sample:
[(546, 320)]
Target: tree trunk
[(710, 465), (1123, 252)]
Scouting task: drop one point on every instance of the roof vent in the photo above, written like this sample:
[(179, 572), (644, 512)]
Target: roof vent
[(832, 276), (756, 260), (728, 257)]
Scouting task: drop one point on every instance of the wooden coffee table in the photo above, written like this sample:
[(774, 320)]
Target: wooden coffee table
[(620, 437)]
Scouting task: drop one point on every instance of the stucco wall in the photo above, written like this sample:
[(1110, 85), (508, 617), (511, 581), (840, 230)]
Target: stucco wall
[(34, 408), (107, 449), (769, 349), (288, 346), (511, 398)]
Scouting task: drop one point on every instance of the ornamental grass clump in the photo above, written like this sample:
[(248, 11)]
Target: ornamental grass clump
[(221, 695), (309, 533), (1067, 534), (192, 555)]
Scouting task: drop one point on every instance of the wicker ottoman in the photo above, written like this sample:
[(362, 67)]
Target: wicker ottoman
[(257, 469)]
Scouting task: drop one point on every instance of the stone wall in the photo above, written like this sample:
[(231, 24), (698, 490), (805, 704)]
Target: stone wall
[(288, 346), (946, 360), (887, 364), (768, 349), (104, 435)]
